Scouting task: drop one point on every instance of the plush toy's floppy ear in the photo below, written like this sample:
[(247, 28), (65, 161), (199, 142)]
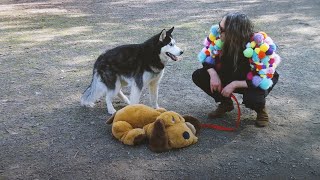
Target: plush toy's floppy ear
[(158, 141), (194, 121)]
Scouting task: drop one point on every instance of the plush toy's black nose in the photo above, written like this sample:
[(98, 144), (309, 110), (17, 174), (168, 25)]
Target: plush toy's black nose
[(186, 135)]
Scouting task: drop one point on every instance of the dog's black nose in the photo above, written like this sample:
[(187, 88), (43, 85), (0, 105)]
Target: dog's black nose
[(186, 135), (181, 52)]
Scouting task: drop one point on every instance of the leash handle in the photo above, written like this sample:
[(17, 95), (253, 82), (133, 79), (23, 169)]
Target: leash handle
[(223, 128)]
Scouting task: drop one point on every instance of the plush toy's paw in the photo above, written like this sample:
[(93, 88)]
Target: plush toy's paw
[(120, 129), (161, 110), (141, 138), (134, 136)]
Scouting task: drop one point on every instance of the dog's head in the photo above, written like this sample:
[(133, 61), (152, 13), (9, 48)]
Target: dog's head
[(168, 50)]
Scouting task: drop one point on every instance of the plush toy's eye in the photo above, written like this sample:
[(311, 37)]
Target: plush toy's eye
[(173, 120), (186, 135)]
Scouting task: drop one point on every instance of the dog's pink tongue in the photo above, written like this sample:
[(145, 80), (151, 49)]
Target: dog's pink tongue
[(175, 58)]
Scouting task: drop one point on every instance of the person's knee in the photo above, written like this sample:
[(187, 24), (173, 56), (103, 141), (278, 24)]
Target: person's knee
[(254, 99), (254, 106), (196, 76)]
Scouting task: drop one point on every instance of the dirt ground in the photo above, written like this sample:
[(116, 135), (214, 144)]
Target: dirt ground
[(47, 51)]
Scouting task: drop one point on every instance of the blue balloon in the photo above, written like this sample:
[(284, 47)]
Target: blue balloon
[(266, 83), (214, 30), (202, 56), (210, 60), (265, 60)]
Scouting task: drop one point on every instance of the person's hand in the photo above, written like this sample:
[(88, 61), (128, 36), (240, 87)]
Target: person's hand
[(215, 82), (228, 90)]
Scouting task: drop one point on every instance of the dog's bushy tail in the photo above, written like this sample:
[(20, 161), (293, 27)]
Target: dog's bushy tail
[(94, 92)]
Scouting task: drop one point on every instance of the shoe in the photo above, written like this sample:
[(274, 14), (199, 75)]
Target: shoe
[(223, 107), (262, 118)]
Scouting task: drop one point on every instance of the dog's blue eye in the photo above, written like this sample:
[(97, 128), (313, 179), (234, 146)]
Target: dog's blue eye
[(170, 44)]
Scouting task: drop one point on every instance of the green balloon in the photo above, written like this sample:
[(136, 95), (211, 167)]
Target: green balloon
[(219, 43), (248, 52)]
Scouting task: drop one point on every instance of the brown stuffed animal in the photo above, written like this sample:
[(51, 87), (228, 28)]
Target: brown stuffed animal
[(163, 129)]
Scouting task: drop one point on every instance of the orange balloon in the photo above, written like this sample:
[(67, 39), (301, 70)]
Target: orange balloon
[(261, 55), (207, 53), (264, 34)]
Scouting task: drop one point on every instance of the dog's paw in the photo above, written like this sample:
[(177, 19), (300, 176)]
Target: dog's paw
[(87, 104), (156, 106), (127, 102), (111, 111)]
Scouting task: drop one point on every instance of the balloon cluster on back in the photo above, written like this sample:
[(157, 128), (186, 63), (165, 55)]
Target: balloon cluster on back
[(260, 51), (263, 60), (213, 46)]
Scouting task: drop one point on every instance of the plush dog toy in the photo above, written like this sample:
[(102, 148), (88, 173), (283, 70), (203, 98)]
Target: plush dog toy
[(163, 129)]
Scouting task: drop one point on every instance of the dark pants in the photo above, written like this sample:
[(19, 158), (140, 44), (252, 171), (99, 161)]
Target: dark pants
[(253, 98)]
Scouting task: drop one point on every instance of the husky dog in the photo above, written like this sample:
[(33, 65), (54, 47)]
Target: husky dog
[(136, 65)]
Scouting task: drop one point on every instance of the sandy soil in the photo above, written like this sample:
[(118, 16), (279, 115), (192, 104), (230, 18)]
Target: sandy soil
[(47, 50)]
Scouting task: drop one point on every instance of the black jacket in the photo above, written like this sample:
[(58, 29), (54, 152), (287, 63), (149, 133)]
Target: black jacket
[(228, 72)]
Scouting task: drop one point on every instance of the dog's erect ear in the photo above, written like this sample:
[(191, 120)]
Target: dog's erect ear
[(194, 121), (158, 141), (170, 30), (163, 35)]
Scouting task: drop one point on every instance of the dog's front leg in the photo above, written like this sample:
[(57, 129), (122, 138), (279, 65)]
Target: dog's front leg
[(135, 94), (109, 97), (123, 97), (153, 91)]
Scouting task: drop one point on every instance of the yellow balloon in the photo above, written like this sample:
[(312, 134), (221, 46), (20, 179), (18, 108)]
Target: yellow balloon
[(253, 44), (264, 47), (212, 37), (257, 50)]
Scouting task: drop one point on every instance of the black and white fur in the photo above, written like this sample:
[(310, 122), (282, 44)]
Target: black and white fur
[(136, 65)]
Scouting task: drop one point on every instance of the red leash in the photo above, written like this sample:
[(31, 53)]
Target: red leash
[(222, 128)]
